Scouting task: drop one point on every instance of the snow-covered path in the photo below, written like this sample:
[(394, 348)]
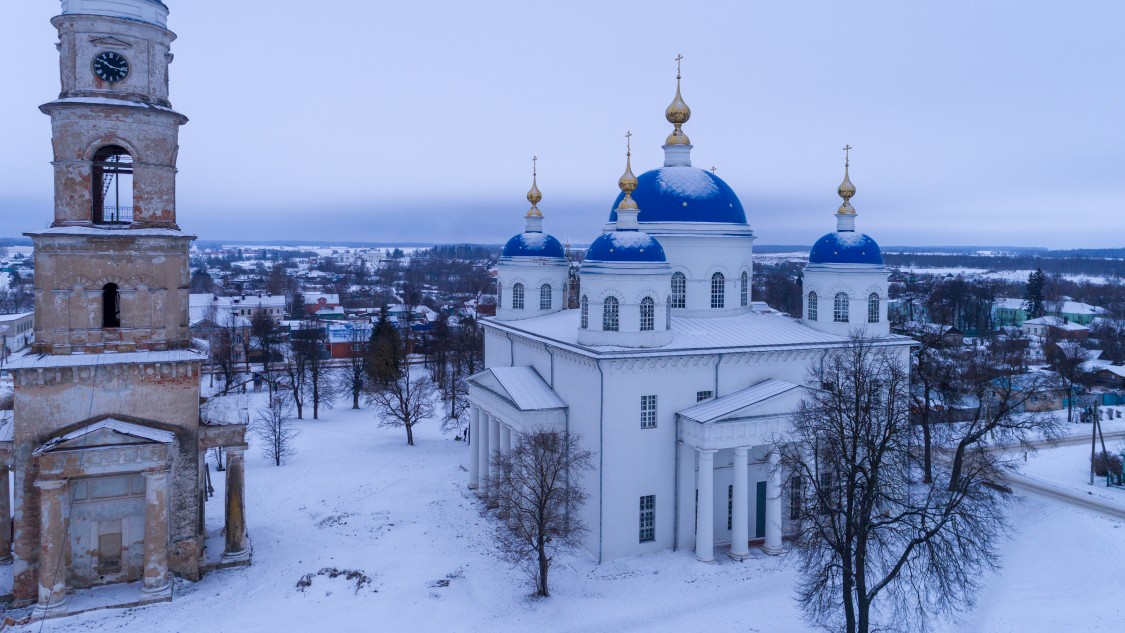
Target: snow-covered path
[(356, 497)]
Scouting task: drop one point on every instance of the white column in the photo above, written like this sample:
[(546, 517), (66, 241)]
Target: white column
[(740, 536), (156, 578), (474, 450), (54, 512), (494, 444), (773, 507), (481, 438), (505, 439), (705, 519)]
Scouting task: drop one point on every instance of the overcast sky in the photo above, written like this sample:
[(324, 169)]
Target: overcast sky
[(972, 122)]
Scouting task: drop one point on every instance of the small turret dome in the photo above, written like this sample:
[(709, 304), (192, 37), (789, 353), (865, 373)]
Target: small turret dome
[(534, 245), (625, 246), (846, 247)]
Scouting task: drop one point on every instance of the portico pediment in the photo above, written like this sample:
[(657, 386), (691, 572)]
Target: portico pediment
[(107, 432), (519, 396), (750, 417)]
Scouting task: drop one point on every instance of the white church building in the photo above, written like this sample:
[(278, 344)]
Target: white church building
[(674, 378)]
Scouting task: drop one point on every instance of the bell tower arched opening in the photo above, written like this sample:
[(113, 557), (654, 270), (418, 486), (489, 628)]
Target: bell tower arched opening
[(112, 180)]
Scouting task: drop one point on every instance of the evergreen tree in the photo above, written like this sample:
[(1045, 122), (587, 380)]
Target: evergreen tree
[(386, 355), (1033, 296)]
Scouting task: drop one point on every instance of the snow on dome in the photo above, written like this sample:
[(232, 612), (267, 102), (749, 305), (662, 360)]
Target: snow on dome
[(846, 247), (684, 194), (534, 245), (625, 246)]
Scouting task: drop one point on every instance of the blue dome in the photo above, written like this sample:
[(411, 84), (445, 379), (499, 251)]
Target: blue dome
[(684, 194), (533, 245), (625, 246), (845, 247)]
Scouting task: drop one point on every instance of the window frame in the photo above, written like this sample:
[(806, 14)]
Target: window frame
[(518, 296), (679, 290), (873, 307), (812, 306), (718, 291), (545, 297), (611, 314), (744, 289), (841, 308), (648, 411), (648, 314), (584, 306), (647, 523)]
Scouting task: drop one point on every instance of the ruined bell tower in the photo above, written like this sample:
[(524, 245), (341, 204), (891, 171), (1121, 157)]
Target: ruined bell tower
[(107, 451)]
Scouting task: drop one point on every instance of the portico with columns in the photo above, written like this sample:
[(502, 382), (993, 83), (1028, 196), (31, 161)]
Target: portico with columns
[(726, 445)]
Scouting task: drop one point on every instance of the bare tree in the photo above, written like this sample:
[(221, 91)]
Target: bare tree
[(353, 375), (873, 542), (405, 401), (310, 343), (263, 332), (538, 486), (295, 377), (273, 427), (1068, 359)]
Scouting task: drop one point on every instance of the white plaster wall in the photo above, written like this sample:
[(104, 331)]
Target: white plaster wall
[(858, 281), (532, 273)]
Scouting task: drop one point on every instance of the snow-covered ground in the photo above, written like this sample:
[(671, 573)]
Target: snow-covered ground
[(356, 497), (1068, 468)]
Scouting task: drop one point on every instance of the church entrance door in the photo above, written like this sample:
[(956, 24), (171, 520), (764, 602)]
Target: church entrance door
[(107, 529)]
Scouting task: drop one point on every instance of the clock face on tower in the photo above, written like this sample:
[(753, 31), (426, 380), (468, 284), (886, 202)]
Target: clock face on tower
[(111, 67)]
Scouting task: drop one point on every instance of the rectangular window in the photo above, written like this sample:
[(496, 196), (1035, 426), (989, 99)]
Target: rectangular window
[(648, 518), (795, 497), (700, 396), (648, 412)]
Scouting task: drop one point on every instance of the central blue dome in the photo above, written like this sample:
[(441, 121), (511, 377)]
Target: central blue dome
[(625, 246), (534, 245), (684, 194), (846, 247)]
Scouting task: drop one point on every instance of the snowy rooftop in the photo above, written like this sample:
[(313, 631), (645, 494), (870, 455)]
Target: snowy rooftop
[(48, 361), (109, 231), (1056, 322), (522, 385), (14, 317), (750, 331)]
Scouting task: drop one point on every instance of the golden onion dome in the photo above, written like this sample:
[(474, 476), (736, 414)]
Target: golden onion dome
[(677, 113), (846, 188), (533, 194), (628, 182)]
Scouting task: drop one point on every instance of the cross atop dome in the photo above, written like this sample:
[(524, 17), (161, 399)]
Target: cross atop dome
[(627, 209), (534, 215)]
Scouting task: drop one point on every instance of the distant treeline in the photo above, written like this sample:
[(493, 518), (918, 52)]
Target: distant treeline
[(470, 252), (1079, 262)]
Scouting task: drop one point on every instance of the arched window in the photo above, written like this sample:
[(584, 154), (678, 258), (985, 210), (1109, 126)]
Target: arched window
[(679, 290), (517, 296), (840, 308), (744, 289), (718, 290), (812, 306), (111, 306), (648, 314), (112, 181), (609, 314), (545, 297), (585, 305), (873, 308)]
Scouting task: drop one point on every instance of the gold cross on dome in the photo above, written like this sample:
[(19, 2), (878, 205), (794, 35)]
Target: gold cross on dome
[(628, 142), (847, 148), (712, 169), (678, 58), (533, 159)]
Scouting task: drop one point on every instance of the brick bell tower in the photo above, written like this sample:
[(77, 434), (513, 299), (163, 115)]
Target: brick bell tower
[(107, 448)]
